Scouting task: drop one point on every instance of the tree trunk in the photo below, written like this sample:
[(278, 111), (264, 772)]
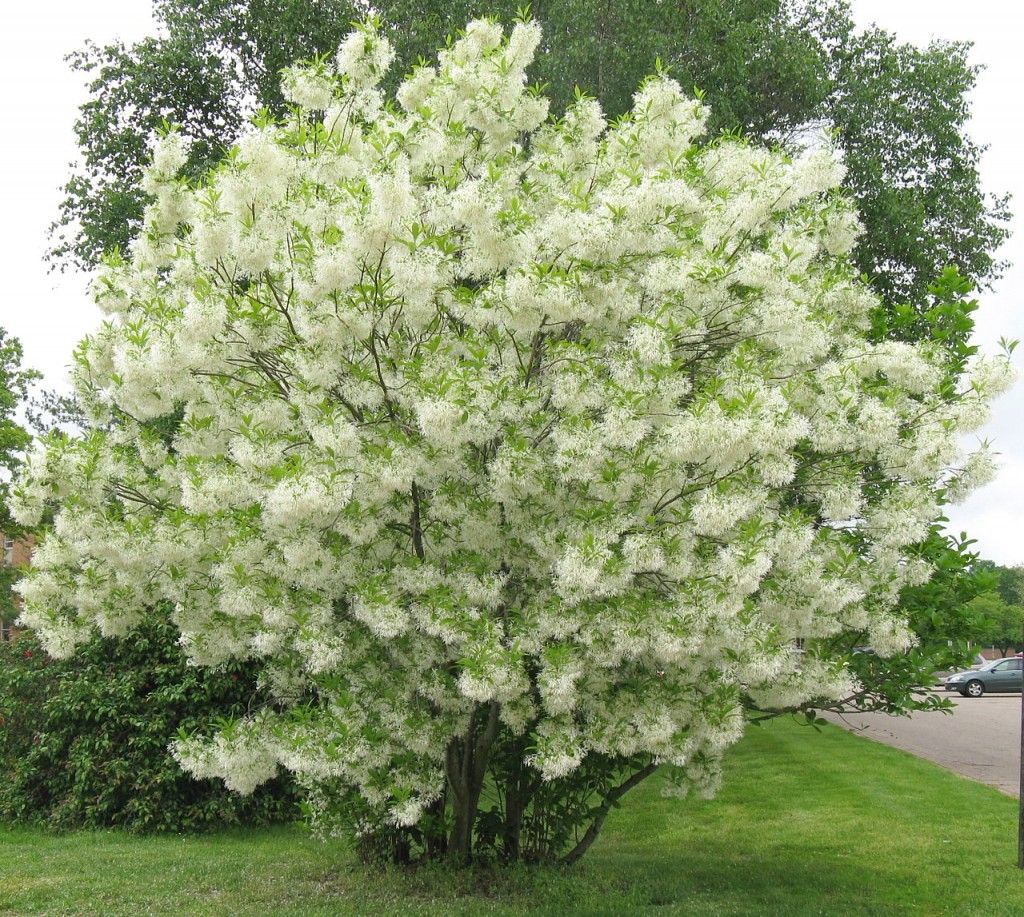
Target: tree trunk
[(466, 767), (517, 798), (460, 845), (515, 805), (436, 841)]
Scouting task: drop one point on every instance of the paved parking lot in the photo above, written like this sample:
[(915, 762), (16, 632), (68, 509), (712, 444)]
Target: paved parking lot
[(981, 739)]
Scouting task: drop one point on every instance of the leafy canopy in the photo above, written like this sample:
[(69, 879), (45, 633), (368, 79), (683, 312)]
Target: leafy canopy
[(771, 70)]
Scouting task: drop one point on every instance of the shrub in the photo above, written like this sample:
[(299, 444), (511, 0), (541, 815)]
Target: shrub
[(84, 742)]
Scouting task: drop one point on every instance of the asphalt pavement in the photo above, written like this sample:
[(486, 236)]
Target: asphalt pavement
[(980, 739)]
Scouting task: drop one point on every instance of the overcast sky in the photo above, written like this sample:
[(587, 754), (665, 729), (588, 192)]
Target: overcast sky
[(50, 313)]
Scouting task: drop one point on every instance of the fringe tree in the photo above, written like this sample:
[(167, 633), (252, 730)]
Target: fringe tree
[(517, 452)]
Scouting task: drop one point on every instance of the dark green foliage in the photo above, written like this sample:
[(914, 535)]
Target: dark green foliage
[(84, 742), (901, 114), (1008, 582), (8, 577), (998, 612), (939, 610), (761, 68), (1000, 623), (212, 65)]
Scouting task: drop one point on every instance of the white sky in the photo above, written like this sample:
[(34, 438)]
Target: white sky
[(50, 312)]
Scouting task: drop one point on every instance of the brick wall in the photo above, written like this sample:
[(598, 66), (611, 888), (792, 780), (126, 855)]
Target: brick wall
[(17, 551), (14, 552), (991, 653)]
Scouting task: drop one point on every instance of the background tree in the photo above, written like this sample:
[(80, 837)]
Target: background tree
[(771, 69), (1009, 582), (211, 66), (15, 384), (901, 114), (760, 63), (1000, 624), (999, 610), (51, 410)]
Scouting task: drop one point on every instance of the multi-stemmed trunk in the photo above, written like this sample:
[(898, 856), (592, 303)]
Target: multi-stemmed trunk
[(533, 812), (466, 766)]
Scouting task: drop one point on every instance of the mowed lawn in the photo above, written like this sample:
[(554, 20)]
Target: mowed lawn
[(807, 822)]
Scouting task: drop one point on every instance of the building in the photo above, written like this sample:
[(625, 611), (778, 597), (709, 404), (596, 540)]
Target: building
[(17, 552)]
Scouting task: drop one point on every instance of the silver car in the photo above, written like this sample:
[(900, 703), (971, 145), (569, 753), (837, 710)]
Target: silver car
[(999, 675)]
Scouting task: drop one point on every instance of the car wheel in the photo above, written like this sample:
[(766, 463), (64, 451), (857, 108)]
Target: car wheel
[(974, 689)]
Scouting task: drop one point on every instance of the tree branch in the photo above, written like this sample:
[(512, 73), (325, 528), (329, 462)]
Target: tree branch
[(595, 826)]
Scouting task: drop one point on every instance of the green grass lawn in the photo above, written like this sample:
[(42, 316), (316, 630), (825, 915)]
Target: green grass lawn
[(807, 823)]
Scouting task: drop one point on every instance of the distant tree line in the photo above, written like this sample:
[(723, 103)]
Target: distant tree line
[(998, 612)]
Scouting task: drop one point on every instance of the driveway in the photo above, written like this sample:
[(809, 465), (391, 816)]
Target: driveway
[(980, 739)]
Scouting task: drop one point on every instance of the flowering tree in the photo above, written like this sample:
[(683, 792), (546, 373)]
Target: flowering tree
[(519, 453)]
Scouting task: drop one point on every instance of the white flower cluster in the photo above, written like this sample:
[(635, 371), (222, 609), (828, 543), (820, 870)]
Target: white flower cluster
[(445, 403)]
